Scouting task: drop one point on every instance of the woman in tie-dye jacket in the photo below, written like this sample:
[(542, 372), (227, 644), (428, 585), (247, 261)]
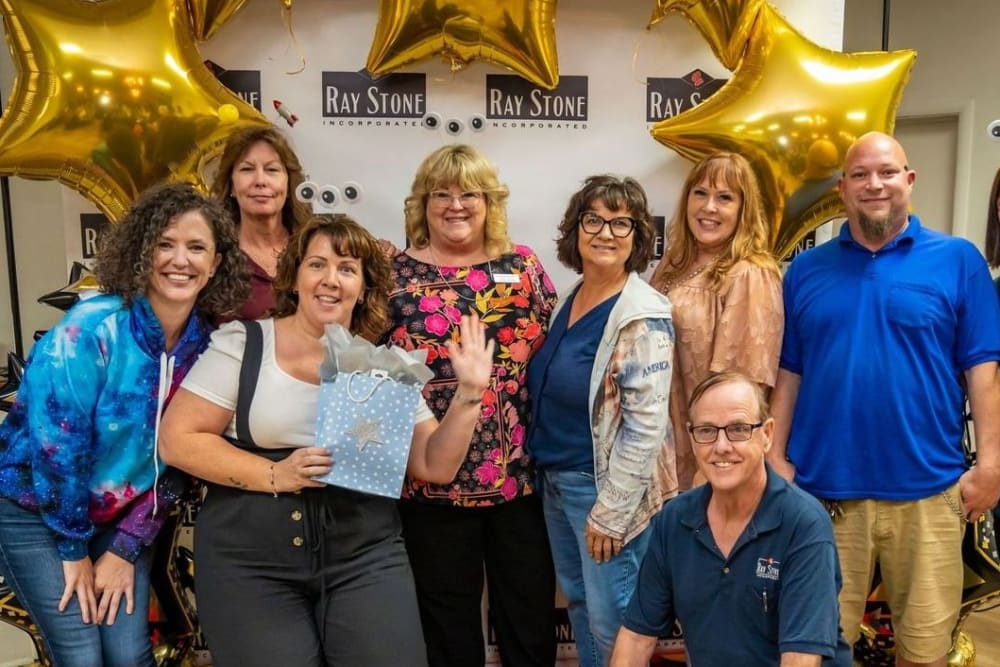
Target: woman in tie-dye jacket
[(79, 499)]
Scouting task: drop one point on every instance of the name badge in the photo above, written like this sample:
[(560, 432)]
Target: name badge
[(510, 278)]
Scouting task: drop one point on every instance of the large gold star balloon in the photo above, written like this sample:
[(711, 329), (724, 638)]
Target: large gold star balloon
[(792, 108), (517, 34), (111, 97), (725, 24), (207, 16)]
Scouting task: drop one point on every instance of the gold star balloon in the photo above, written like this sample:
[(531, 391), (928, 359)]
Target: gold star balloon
[(111, 97), (792, 108), (207, 16), (517, 34), (725, 24)]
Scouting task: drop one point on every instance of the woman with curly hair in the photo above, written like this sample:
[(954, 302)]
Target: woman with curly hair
[(724, 285), (80, 502), (256, 178), (291, 571)]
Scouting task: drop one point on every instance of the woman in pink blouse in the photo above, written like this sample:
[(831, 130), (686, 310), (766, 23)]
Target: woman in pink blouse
[(724, 285)]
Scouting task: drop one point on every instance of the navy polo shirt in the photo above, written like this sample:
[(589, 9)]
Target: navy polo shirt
[(775, 593), (880, 340)]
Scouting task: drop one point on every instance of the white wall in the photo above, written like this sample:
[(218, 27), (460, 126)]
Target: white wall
[(955, 78)]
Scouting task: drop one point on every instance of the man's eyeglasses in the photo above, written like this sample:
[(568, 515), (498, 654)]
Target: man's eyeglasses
[(593, 224), (444, 199), (706, 434)]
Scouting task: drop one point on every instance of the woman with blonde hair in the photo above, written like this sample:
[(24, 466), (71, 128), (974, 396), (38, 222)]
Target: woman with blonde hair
[(724, 285), (460, 260)]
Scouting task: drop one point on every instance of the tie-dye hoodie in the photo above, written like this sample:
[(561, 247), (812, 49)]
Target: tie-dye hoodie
[(79, 444)]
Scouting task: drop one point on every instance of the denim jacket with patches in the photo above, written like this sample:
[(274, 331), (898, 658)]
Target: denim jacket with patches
[(634, 455)]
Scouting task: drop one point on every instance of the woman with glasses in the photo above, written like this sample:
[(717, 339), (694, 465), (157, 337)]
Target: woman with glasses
[(461, 261), (724, 285), (601, 438)]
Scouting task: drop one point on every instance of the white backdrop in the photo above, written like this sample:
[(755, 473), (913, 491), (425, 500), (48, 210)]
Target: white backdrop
[(605, 41)]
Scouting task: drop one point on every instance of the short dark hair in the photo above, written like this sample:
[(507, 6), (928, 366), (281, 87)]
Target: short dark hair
[(615, 193), (731, 377), (370, 317), (125, 259), (237, 146)]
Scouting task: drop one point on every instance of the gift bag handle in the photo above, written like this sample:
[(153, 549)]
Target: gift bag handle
[(382, 377)]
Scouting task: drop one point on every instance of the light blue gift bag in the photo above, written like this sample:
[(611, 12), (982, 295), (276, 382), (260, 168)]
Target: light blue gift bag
[(368, 401), (366, 423)]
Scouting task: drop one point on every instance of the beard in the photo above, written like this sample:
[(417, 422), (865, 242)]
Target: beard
[(882, 226)]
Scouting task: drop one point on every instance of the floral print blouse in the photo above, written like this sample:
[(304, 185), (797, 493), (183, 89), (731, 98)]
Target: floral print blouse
[(513, 296)]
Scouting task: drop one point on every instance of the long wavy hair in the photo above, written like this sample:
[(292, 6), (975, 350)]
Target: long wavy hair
[(370, 317), (237, 147), (750, 240), (125, 259), (993, 225), (463, 166), (615, 193)]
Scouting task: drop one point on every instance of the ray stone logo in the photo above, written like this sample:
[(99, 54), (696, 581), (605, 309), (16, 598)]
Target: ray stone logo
[(354, 99), (244, 82), (665, 98), (92, 225), (515, 103)]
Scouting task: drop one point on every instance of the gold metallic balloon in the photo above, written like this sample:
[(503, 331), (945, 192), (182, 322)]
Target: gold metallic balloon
[(518, 34), (110, 97), (963, 652), (787, 96), (725, 24), (207, 16)]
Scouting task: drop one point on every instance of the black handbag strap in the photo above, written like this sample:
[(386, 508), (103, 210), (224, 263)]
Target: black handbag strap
[(249, 372)]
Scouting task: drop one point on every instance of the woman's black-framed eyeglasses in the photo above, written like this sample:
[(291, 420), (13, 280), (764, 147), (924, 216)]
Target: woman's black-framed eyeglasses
[(593, 224)]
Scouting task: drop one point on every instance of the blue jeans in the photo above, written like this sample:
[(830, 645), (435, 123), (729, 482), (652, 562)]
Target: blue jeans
[(31, 565), (597, 594)]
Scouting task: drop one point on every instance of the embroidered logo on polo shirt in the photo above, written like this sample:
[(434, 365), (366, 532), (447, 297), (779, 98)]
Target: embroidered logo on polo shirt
[(768, 568)]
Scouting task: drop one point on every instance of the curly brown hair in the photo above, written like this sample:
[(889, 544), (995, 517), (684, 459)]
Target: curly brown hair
[(463, 166), (751, 240), (125, 258), (293, 212), (993, 224), (370, 317), (615, 193)]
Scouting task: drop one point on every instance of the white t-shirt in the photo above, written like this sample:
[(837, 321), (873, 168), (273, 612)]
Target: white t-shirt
[(283, 411)]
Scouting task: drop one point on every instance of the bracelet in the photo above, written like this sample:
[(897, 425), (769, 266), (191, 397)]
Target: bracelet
[(274, 489), (463, 399)]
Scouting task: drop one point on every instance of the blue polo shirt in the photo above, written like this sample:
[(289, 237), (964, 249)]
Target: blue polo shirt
[(775, 593), (880, 340)]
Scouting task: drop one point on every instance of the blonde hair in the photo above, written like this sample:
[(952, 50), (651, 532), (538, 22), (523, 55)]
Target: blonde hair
[(751, 239), (463, 166)]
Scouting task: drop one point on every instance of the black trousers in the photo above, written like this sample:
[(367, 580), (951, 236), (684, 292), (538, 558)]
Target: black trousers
[(448, 547), (316, 579)]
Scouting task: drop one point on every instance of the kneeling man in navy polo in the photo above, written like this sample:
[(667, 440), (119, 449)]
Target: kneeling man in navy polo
[(747, 563)]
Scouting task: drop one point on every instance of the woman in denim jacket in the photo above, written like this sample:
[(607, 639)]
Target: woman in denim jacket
[(602, 441)]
